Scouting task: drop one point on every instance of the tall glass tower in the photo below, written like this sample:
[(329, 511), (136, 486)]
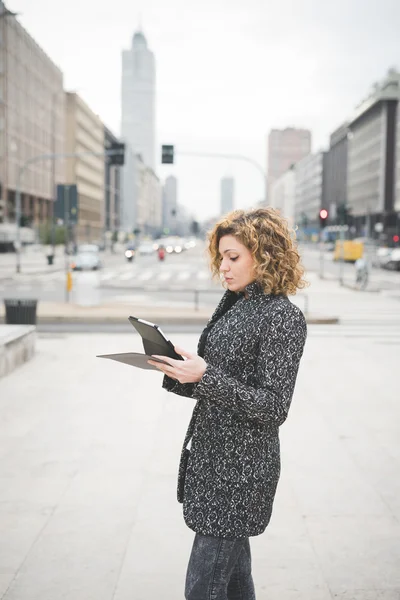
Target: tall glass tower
[(138, 120)]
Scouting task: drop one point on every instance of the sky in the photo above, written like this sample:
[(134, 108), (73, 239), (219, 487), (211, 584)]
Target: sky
[(227, 72)]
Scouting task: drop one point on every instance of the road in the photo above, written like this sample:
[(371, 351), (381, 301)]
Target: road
[(145, 280), (379, 278), (183, 279)]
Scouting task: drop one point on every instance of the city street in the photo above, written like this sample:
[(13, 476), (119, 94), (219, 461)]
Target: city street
[(379, 278), (90, 451), (147, 280)]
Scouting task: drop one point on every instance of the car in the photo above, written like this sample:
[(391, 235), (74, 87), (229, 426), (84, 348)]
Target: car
[(86, 261), (392, 260), (88, 248), (146, 248), (381, 256)]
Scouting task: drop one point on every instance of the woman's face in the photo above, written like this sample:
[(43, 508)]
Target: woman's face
[(237, 266)]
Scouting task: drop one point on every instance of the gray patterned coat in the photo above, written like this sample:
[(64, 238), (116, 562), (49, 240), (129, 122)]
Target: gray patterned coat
[(252, 347)]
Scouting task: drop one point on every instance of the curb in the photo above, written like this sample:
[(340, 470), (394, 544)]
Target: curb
[(352, 286), (160, 320)]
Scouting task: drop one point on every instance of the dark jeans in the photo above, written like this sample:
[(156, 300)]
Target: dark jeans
[(219, 569)]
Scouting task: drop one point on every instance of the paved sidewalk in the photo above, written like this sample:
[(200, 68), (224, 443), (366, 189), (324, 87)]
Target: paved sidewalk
[(32, 262), (323, 303), (88, 463)]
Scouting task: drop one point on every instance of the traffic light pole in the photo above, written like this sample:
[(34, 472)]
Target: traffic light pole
[(341, 261), (321, 254), (21, 171)]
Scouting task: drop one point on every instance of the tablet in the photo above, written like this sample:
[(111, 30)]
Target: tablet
[(154, 340)]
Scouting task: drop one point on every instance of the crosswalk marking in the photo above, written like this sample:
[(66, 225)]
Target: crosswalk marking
[(183, 276), (145, 276), (125, 276), (107, 276), (165, 276)]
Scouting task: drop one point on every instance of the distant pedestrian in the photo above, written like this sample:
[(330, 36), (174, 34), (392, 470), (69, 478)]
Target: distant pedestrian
[(242, 377)]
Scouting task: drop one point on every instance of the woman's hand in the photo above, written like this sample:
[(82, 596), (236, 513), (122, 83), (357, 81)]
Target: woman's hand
[(189, 370)]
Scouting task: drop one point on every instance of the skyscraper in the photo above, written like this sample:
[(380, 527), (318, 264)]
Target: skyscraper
[(227, 194), (137, 119), (285, 148)]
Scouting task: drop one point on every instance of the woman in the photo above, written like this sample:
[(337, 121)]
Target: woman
[(243, 378)]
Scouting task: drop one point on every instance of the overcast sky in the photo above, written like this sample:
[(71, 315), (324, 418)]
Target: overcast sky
[(227, 72)]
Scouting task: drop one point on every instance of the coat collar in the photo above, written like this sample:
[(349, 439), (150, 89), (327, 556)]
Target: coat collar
[(252, 290)]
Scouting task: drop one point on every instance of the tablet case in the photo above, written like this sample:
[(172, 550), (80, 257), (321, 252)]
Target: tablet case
[(153, 343)]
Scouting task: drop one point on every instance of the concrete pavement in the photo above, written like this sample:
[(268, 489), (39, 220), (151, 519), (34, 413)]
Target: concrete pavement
[(89, 453), (312, 300)]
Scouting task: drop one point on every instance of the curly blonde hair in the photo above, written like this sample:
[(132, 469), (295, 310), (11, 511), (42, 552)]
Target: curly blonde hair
[(272, 244)]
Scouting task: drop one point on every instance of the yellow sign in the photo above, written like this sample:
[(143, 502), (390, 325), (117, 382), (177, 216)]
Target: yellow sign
[(69, 281)]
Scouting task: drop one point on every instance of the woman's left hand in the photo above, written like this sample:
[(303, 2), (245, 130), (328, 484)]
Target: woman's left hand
[(189, 370)]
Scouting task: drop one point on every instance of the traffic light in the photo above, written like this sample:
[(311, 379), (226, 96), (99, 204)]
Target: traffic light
[(167, 155), (118, 158), (195, 227), (396, 238), (343, 214), (323, 217)]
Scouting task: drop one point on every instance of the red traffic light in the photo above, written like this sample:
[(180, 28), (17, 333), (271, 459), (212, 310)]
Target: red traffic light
[(323, 213), (396, 238)]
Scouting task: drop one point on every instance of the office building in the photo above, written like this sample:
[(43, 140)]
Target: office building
[(310, 190), (227, 195), (112, 188), (32, 117), (85, 133), (137, 120), (285, 148), (170, 203), (149, 202), (335, 174), (283, 195), (371, 184)]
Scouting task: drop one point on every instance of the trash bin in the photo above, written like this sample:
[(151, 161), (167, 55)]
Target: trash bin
[(20, 311), (50, 259)]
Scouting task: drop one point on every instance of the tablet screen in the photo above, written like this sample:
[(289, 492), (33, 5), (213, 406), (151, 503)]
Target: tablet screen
[(154, 340)]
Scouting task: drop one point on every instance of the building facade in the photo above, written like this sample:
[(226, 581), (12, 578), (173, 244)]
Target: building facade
[(371, 185), (32, 123), (170, 203), (85, 133), (310, 191), (137, 119), (336, 172), (285, 148), (397, 195), (149, 204), (283, 195), (227, 195), (112, 188)]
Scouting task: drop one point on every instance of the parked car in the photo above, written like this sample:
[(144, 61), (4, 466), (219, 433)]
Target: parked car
[(392, 260), (86, 261), (88, 248), (380, 257)]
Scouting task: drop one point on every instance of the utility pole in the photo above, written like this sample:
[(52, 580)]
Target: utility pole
[(66, 240)]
